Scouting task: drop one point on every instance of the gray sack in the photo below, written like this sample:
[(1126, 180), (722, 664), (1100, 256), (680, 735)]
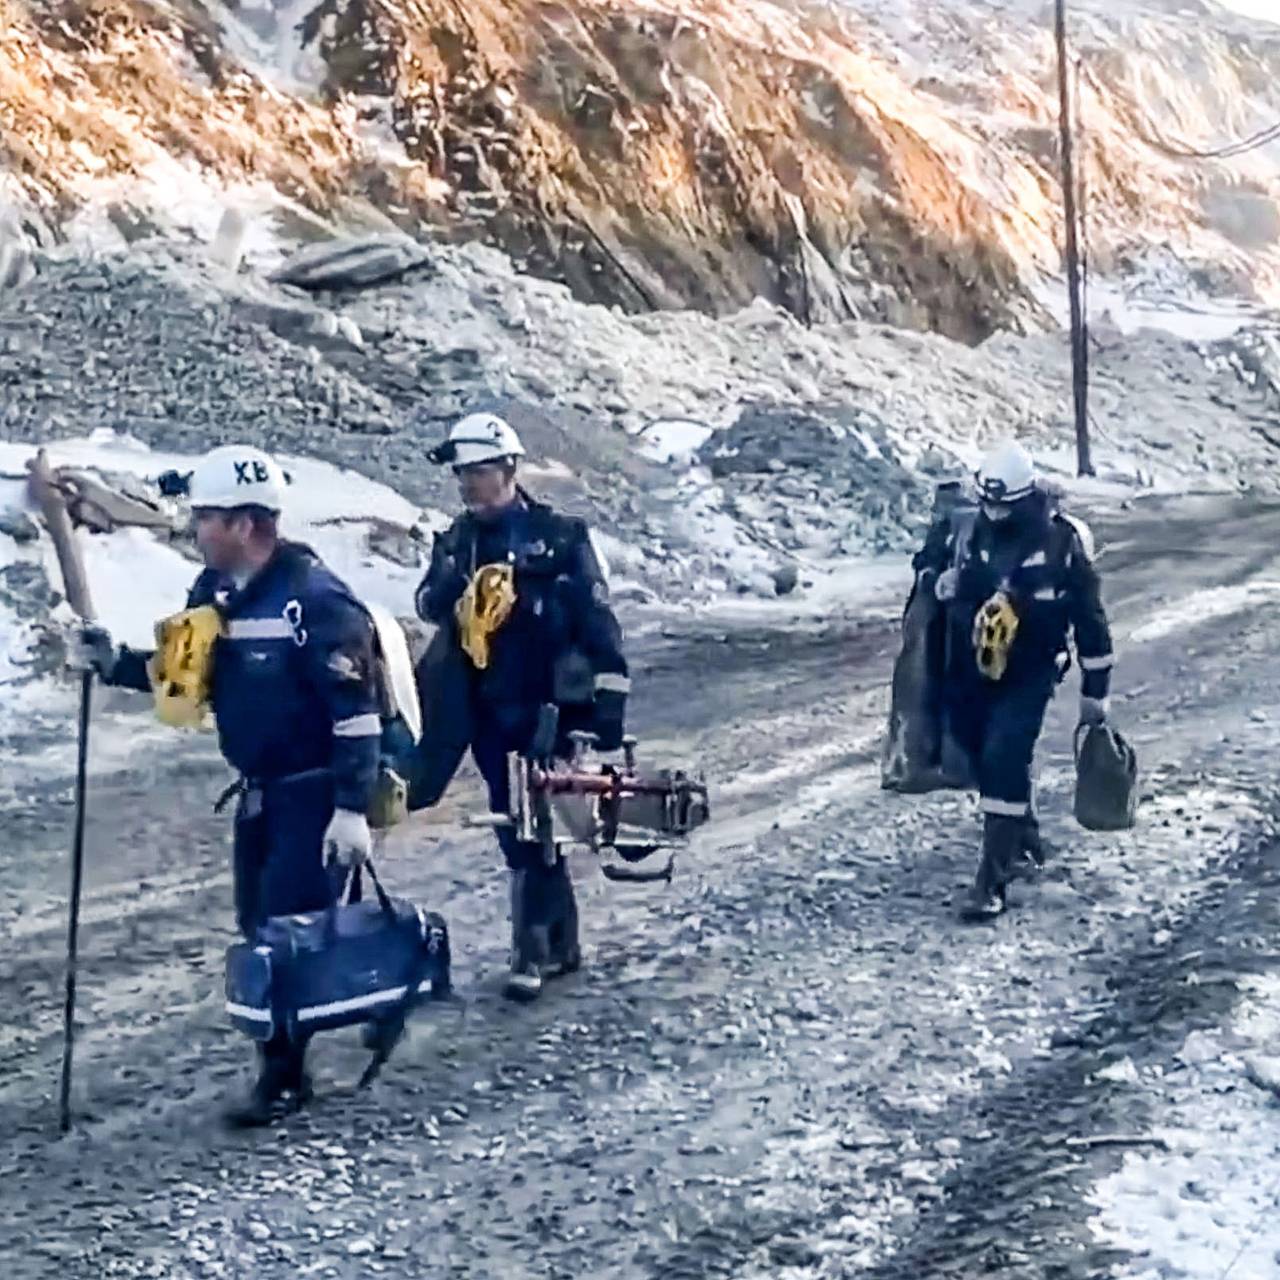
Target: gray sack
[(1106, 779)]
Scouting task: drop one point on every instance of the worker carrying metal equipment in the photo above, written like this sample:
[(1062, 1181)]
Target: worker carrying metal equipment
[(519, 595), (283, 656), (1015, 579)]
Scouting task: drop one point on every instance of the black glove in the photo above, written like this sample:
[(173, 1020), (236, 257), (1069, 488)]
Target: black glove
[(93, 650), (174, 484), (609, 724)]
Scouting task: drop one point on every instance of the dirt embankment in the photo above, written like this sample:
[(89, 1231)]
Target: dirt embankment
[(653, 153)]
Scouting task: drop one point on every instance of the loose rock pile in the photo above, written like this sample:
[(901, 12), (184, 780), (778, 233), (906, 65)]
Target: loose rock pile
[(825, 440)]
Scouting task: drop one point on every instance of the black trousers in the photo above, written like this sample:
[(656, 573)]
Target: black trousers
[(278, 869), (543, 902), (998, 723), (278, 859)]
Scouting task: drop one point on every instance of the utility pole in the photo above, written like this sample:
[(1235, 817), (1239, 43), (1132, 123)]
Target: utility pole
[(1079, 338)]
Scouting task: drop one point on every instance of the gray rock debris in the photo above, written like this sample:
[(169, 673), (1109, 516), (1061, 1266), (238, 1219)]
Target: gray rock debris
[(823, 478), (309, 326), (828, 439), (19, 526), (352, 264)]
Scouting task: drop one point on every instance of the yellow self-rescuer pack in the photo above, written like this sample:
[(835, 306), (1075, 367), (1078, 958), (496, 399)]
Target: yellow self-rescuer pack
[(181, 669), (994, 630), (485, 606)]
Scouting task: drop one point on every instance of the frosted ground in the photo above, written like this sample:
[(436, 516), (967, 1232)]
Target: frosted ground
[(901, 1094)]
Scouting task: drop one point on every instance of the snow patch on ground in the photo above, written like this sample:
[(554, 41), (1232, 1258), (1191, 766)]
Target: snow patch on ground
[(183, 201), (1203, 606), (873, 587), (1207, 1208), (673, 440), (137, 578), (135, 581), (266, 36), (701, 519), (1129, 306)]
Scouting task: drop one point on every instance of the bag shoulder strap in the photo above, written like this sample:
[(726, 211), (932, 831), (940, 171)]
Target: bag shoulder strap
[(964, 522)]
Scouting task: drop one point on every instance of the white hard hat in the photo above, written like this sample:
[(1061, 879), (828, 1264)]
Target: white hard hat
[(1006, 474), (237, 475), (477, 438)]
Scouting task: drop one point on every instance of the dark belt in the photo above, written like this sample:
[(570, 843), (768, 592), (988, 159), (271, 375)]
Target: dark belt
[(246, 786)]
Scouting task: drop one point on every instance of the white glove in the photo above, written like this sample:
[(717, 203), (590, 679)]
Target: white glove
[(346, 839), (1094, 710), (945, 588)]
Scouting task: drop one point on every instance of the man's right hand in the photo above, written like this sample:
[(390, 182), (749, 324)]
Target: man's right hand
[(92, 649), (945, 588), (439, 592)]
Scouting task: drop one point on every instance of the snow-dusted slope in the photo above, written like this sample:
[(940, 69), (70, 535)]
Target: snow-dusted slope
[(894, 161), (137, 576)]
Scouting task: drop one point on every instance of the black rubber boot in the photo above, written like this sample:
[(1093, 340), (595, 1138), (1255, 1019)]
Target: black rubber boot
[(381, 1035), (1032, 852), (297, 1081), (282, 1087), (565, 945), (1035, 852), (1001, 844), (529, 941)]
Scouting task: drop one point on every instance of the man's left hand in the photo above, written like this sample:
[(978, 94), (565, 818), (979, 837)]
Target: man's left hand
[(1094, 711)]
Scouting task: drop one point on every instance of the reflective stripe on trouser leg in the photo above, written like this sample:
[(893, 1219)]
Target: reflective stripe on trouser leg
[(1008, 749), (997, 808)]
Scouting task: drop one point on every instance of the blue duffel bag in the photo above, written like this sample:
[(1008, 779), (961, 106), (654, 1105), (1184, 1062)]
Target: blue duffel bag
[(358, 962)]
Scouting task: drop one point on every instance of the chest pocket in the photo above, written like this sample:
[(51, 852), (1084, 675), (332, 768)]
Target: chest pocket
[(537, 566), (259, 652), (262, 660), (1040, 579), (1030, 575)]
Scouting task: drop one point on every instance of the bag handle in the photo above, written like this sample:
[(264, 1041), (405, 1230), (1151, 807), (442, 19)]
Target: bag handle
[(350, 891), (1122, 745), (1084, 730), (384, 900)]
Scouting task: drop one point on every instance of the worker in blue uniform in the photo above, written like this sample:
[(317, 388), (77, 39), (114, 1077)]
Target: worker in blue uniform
[(295, 701)]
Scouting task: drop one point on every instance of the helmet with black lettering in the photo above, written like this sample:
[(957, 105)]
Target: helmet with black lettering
[(237, 475)]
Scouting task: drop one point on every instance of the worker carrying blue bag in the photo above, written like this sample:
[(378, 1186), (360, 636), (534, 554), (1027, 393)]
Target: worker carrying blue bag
[(301, 684)]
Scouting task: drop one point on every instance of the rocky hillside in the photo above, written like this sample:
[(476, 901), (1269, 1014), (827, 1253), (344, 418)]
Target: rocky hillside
[(892, 160)]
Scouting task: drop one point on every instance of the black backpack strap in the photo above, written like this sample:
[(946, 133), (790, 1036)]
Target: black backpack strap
[(964, 521)]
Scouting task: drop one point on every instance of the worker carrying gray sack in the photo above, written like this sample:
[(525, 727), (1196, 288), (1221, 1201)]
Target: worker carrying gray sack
[(1004, 580)]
